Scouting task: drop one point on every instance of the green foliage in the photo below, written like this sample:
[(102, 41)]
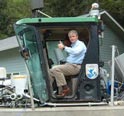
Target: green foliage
[(67, 7), (77, 7), (10, 12), (115, 8), (2, 17)]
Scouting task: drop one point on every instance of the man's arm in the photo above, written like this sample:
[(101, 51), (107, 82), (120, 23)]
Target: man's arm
[(77, 50)]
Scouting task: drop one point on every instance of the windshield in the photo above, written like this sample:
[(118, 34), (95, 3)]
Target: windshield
[(27, 39)]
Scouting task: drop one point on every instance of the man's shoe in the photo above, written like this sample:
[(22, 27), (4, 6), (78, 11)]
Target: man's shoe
[(64, 93)]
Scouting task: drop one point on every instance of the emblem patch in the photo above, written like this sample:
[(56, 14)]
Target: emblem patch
[(92, 71)]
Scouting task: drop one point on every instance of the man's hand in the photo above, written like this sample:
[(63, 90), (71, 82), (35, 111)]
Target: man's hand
[(61, 45)]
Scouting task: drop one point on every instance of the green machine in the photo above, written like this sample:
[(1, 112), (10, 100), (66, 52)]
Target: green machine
[(38, 38)]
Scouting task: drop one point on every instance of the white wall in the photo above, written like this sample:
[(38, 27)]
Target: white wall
[(12, 61)]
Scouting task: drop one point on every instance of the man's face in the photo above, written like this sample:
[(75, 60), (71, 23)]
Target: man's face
[(73, 38)]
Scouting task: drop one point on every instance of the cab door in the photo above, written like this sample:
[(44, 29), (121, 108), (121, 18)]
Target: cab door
[(31, 48)]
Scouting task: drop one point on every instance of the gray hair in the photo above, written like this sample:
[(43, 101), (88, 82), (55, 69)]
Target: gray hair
[(72, 32)]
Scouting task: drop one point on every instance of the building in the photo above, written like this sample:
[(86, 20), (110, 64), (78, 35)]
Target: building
[(10, 57), (113, 35)]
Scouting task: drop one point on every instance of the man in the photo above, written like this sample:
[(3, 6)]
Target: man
[(76, 54)]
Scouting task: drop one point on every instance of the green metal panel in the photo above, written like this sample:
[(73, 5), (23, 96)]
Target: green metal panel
[(57, 20)]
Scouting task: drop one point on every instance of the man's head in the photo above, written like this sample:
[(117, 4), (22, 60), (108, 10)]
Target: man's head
[(73, 36)]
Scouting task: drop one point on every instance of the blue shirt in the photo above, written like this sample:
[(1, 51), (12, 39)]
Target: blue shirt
[(76, 52)]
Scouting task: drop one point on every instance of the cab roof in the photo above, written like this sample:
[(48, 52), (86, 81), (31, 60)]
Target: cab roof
[(57, 20)]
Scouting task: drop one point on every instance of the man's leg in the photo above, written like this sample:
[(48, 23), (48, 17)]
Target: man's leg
[(60, 71)]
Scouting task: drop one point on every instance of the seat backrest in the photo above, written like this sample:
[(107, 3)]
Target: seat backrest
[(59, 55)]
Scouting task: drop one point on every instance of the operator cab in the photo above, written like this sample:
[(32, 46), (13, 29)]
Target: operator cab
[(38, 39), (55, 56)]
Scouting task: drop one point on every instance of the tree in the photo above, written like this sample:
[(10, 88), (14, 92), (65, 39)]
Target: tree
[(115, 8), (61, 8), (11, 11), (77, 7), (3, 4)]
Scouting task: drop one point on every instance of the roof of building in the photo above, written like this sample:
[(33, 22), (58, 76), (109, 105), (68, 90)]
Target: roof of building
[(8, 43), (112, 23)]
